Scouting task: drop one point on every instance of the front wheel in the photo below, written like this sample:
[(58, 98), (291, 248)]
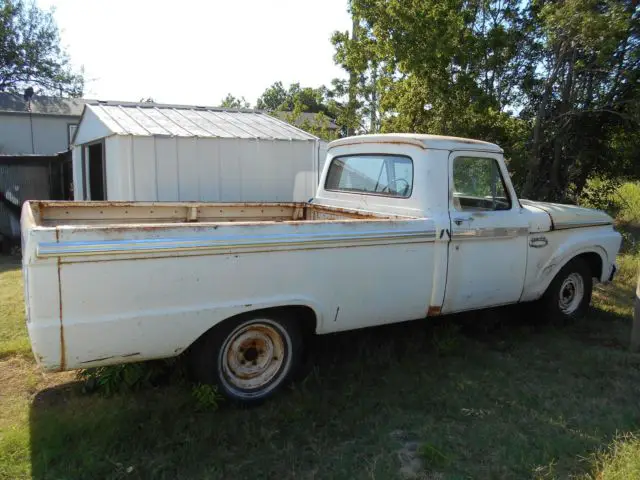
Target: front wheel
[(569, 294), (249, 359)]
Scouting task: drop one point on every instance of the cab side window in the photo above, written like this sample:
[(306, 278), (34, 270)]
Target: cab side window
[(478, 185)]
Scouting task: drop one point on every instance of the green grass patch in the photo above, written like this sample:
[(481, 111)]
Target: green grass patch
[(621, 461), (13, 331)]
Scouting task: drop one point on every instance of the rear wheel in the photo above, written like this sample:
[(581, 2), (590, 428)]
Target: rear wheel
[(569, 294), (249, 359)]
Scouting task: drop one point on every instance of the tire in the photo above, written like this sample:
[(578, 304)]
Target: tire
[(569, 294), (248, 359)]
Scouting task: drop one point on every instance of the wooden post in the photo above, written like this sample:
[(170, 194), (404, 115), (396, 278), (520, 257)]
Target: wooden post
[(635, 329)]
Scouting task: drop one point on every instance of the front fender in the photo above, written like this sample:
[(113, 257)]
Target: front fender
[(543, 266)]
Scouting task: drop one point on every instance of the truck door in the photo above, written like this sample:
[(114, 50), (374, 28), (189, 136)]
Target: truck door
[(488, 247)]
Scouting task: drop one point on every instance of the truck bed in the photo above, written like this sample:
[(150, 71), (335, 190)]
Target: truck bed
[(52, 214), (109, 282)]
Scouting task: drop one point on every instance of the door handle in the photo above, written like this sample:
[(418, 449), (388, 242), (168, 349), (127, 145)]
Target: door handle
[(458, 221)]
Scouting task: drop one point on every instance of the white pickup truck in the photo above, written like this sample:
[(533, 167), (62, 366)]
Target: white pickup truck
[(403, 227)]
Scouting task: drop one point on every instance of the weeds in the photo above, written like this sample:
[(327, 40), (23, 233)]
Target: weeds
[(621, 461), (206, 396), (125, 377)]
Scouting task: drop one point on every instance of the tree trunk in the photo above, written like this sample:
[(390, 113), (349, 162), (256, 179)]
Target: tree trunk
[(353, 84), (565, 107), (373, 114), (534, 155)]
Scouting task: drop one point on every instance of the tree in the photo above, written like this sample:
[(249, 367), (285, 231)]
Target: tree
[(290, 104), (273, 98), (232, 102), (30, 52), (554, 83), (305, 99), (586, 104)]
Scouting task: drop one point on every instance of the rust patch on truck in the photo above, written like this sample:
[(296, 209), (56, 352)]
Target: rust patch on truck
[(434, 310)]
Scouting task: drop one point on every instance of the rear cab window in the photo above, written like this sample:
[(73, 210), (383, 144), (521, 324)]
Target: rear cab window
[(371, 174)]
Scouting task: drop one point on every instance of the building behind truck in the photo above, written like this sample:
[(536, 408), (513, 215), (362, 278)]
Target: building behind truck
[(157, 152)]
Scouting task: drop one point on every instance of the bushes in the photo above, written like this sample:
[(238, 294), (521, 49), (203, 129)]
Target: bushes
[(620, 200)]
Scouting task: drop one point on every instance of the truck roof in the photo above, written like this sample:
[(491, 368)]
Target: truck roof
[(439, 142)]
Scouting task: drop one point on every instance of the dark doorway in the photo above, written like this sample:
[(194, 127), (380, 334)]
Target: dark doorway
[(96, 171)]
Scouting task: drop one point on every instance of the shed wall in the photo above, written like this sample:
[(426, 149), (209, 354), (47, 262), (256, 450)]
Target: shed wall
[(50, 134), (209, 169)]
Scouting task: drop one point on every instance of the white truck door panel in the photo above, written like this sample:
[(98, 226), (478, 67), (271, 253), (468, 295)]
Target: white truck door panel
[(488, 247)]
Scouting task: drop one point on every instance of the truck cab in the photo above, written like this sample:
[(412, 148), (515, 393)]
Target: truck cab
[(492, 248)]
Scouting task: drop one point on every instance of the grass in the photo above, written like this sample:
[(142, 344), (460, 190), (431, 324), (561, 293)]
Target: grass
[(13, 333), (486, 396)]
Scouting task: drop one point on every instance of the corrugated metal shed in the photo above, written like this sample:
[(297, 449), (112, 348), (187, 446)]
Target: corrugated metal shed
[(185, 121), (154, 152)]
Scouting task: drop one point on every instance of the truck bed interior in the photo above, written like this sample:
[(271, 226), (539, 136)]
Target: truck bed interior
[(51, 214)]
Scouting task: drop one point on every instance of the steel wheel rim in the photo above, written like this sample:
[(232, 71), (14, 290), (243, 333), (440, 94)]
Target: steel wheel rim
[(253, 357), (571, 293)]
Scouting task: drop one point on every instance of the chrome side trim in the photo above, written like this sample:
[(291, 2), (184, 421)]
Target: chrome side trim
[(490, 232), (162, 245), (578, 224)]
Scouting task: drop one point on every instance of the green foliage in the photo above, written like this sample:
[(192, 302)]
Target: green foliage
[(621, 461), (296, 103), (206, 397), (620, 200), (304, 99), (601, 194), (30, 52), (432, 457), (554, 83), (125, 377), (232, 102)]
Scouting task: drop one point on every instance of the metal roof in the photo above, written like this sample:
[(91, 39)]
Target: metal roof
[(14, 103), (151, 119)]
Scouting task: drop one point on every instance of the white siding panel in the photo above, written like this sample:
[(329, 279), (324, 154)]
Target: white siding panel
[(118, 166), (113, 168), (303, 170), (231, 170), (167, 169), (144, 163), (92, 127), (253, 170), (282, 177), (76, 166), (188, 169), (209, 169)]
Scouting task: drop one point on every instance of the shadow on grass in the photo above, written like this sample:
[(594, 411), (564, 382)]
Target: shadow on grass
[(493, 395), (9, 262)]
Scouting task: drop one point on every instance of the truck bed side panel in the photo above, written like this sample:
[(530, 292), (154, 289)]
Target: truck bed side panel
[(121, 302)]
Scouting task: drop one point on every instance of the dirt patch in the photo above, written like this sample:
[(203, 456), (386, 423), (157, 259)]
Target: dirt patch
[(19, 376)]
